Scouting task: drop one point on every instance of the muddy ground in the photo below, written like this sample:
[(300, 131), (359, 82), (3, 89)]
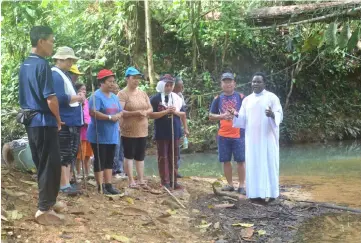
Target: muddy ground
[(152, 216)]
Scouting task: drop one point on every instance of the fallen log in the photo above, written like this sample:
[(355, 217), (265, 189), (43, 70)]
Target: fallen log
[(292, 10), (328, 205)]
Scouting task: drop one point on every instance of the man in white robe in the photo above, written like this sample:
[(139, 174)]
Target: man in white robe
[(260, 116)]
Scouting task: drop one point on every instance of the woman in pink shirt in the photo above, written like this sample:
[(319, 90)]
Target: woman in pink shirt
[(85, 150)]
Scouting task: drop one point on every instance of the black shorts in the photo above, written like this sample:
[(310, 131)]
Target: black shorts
[(69, 139), (105, 155), (134, 148)]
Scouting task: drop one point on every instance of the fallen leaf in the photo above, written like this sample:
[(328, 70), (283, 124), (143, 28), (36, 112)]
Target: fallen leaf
[(4, 218), (203, 226), (243, 225), (14, 215), (156, 192), (247, 233), (171, 212), (216, 225), (134, 211), (217, 184), (32, 183), (166, 234), (163, 221), (224, 205), (14, 194), (261, 232), (129, 200), (210, 206), (204, 222), (77, 212), (115, 197), (195, 211), (120, 238)]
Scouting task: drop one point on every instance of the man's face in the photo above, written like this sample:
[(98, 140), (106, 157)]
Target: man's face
[(47, 45), (179, 87), (228, 85), (258, 84), (168, 87)]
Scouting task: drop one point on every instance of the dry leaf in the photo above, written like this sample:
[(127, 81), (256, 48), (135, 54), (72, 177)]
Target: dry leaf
[(195, 211), (210, 206), (134, 211), (216, 225), (163, 221), (171, 212), (14, 215), (32, 183), (243, 225), (120, 238), (261, 232), (247, 233), (203, 226), (14, 194), (129, 200), (224, 205), (4, 218)]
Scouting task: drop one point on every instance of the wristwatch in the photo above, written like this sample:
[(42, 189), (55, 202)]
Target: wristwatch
[(110, 117)]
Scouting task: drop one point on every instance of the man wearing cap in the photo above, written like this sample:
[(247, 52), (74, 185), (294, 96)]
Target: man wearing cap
[(37, 95), (71, 114), (230, 140), (166, 105), (74, 73)]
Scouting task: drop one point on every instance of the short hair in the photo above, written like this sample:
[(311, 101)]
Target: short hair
[(39, 33), (101, 81), (260, 74), (178, 79), (78, 86)]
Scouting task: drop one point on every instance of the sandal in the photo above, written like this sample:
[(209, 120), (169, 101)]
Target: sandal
[(134, 186), (228, 188)]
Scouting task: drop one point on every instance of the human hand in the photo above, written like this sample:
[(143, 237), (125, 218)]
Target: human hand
[(171, 109), (60, 123), (186, 132), (269, 112)]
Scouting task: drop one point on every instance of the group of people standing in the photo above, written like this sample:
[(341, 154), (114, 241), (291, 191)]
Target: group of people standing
[(65, 129)]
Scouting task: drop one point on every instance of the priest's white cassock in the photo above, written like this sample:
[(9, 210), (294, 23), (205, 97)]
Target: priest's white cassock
[(262, 143)]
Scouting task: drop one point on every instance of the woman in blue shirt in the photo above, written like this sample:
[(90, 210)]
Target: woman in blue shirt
[(105, 111)]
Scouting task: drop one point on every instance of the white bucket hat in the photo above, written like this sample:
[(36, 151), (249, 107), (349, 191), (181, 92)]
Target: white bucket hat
[(65, 52)]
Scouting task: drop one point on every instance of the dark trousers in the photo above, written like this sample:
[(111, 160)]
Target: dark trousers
[(165, 160), (103, 157), (44, 145)]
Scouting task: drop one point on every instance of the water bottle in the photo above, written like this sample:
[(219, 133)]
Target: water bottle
[(185, 142)]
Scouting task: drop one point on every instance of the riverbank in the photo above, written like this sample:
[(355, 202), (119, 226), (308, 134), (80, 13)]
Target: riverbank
[(152, 216)]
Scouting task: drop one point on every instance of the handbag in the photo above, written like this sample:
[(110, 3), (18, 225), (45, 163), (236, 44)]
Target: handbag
[(25, 116)]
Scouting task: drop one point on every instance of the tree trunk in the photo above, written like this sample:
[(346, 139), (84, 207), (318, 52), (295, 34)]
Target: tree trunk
[(148, 28), (294, 73), (283, 11), (303, 12), (194, 42)]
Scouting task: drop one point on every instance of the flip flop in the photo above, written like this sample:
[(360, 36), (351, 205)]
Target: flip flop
[(134, 186)]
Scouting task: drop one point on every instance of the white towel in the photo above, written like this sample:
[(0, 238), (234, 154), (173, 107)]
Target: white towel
[(68, 85)]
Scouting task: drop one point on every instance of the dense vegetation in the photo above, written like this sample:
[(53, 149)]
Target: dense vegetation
[(314, 67)]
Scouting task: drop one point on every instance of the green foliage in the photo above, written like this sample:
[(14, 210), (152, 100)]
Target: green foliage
[(109, 34)]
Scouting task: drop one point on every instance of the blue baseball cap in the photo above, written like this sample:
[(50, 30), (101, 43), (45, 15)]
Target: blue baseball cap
[(132, 71)]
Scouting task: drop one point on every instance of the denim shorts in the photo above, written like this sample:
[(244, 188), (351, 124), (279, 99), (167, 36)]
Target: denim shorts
[(231, 146)]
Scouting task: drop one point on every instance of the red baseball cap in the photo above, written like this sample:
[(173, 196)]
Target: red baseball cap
[(105, 73)]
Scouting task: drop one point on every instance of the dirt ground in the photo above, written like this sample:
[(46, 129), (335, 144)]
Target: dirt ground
[(152, 216)]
